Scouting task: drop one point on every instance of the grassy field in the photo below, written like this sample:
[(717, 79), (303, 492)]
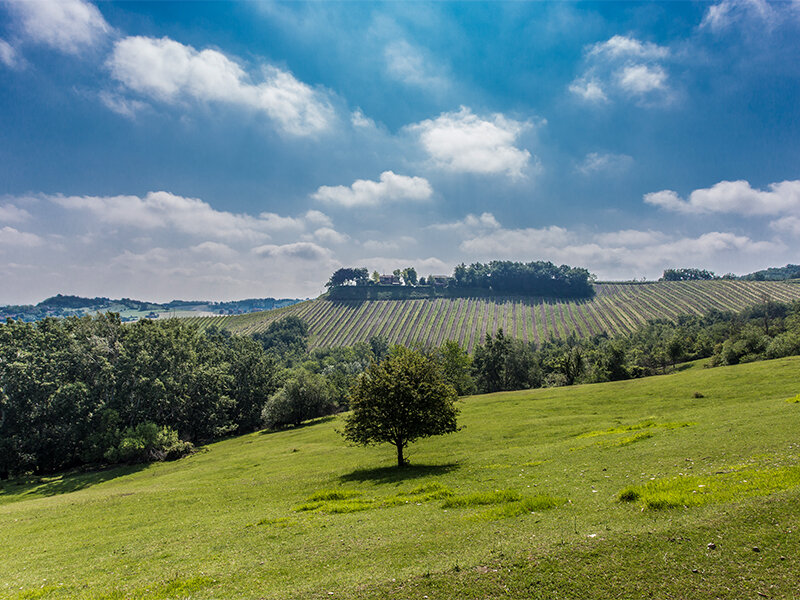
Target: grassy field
[(616, 308), (609, 490)]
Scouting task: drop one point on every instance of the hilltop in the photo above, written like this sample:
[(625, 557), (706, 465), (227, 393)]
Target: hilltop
[(614, 308), (523, 502)]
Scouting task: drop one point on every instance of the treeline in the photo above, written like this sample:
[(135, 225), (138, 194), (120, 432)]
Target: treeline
[(768, 330), (771, 274), (538, 278), (92, 390)]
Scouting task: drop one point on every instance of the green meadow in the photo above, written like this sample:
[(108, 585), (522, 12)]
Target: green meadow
[(678, 486)]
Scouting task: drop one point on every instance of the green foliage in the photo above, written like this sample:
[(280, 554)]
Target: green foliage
[(534, 278), (400, 400), (346, 275), (147, 442), (686, 275), (305, 396), (92, 390), (286, 338), (456, 367)]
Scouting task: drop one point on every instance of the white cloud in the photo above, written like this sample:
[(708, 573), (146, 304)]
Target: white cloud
[(169, 71), (790, 225), (320, 219), (191, 216), (326, 235), (621, 46), (9, 213), (359, 119), (588, 90), (736, 197), (15, 238), (470, 222), (604, 163), (724, 14), (363, 192), (640, 79), (214, 249), (8, 55), (465, 143), (623, 67), (66, 25), (406, 63), (126, 107), (306, 251), (424, 266)]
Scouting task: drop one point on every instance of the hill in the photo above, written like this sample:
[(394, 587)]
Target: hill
[(132, 310), (615, 308), (523, 502)]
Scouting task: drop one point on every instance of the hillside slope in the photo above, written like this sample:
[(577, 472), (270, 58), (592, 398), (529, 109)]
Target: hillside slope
[(229, 522), (616, 308)]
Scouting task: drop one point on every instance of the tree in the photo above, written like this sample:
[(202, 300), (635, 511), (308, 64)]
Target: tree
[(400, 400), (346, 275), (305, 396), (410, 276)]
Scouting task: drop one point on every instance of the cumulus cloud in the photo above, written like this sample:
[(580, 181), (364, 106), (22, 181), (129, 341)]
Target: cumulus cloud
[(589, 90), (359, 119), (327, 235), (407, 64), (8, 55), (307, 251), (470, 222), (790, 225), (620, 46), (191, 216), (466, 143), (736, 197), (15, 238), (390, 188), (604, 163), (9, 213), (66, 25), (640, 79), (623, 67), (170, 72)]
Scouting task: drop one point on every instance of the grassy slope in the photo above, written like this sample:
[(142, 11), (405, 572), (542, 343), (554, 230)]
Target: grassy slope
[(617, 308), (221, 524)]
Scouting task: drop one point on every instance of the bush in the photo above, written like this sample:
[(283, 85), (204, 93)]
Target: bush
[(305, 396), (148, 442)]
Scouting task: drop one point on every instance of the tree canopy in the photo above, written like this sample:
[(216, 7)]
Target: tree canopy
[(686, 274), (347, 275), (538, 278), (400, 400)]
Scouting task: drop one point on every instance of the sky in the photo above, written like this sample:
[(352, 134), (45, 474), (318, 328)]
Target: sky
[(219, 151)]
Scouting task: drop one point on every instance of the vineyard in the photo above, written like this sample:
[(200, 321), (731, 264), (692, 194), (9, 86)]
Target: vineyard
[(616, 308)]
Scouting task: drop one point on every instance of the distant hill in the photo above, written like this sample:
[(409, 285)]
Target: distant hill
[(774, 274), (132, 310), (615, 308)]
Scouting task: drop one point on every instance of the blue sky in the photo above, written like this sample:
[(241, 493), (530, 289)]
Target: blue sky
[(226, 150)]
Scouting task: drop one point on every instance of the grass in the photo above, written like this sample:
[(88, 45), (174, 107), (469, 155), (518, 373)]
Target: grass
[(223, 523)]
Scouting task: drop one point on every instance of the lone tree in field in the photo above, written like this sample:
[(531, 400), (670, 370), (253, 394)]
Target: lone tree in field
[(400, 400)]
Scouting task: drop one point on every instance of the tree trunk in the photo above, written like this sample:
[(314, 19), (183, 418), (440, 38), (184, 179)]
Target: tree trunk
[(400, 460)]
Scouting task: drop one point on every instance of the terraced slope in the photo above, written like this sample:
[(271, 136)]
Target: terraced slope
[(616, 308)]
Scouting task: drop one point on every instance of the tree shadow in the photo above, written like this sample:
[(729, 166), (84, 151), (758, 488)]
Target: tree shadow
[(398, 474), (28, 487)]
